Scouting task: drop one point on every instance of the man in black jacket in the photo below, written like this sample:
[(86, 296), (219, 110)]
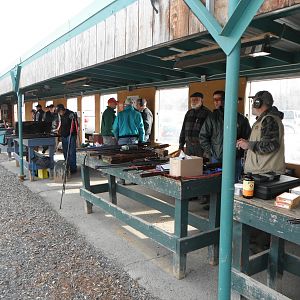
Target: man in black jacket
[(211, 134), (39, 115), (192, 123), (69, 128), (141, 105)]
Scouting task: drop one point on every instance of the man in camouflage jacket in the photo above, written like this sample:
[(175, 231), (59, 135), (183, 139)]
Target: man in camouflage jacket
[(265, 147)]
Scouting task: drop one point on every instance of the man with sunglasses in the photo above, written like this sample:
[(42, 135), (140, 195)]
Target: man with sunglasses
[(211, 134)]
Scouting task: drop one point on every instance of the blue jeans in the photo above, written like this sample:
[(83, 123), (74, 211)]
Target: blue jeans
[(72, 151), (128, 140), (109, 140)]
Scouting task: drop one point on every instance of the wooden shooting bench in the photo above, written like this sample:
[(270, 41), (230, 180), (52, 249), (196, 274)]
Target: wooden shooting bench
[(263, 215), (180, 243)]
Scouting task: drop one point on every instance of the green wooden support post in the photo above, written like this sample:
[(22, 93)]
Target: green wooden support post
[(15, 75), (86, 182), (112, 189), (275, 264), (214, 222), (228, 172), (180, 230), (20, 129)]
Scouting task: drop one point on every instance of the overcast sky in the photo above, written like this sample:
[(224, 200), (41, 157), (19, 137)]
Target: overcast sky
[(26, 23)]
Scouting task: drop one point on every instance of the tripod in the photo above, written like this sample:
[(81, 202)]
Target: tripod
[(67, 162)]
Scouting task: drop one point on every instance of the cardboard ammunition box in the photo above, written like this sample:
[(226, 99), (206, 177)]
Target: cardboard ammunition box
[(186, 167), (287, 200)]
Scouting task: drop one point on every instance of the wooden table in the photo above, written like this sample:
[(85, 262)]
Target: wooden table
[(32, 143), (263, 215), (179, 242)]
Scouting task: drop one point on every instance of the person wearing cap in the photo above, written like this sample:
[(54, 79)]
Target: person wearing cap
[(192, 123), (47, 115), (265, 147), (69, 128), (211, 134), (108, 118), (128, 127), (39, 115), (141, 106), (55, 119)]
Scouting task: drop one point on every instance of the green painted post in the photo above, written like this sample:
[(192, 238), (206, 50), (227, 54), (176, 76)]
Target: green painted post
[(229, 157), (20, 128)]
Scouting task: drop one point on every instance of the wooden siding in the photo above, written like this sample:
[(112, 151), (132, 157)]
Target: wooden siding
[(133, 28), (179, 19), (6, 85), (161, 23)]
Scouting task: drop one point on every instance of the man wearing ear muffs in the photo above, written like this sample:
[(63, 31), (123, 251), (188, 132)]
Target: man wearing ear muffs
[(265, 147)]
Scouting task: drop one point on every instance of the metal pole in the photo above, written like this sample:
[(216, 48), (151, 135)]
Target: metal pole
[(229, 158), (20, 129)]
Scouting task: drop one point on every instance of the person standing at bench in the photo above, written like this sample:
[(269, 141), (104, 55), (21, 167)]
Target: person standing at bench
[(141, 105), (69, 130), (39, 115), (128, 127), (265, 147), (192, 123), (108, 118)]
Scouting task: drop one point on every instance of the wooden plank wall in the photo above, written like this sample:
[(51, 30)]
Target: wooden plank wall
[(6, 85), (133, 28)]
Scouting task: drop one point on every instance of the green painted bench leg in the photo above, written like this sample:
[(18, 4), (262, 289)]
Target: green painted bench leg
[(240, 249), (214, 222), (180, 230), (86, 182), (275, 263), (112, 189)]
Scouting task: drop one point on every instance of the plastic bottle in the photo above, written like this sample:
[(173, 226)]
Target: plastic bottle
[(248, 186)]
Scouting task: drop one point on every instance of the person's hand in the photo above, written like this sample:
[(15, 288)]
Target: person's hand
[(242, 144)]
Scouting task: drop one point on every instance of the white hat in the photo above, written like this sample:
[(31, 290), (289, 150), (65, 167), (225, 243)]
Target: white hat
[(128, 101)]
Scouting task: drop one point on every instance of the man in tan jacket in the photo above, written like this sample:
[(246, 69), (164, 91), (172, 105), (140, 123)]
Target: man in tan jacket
[(265, 147)]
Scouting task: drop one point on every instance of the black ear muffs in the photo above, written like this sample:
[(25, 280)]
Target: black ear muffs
[(257, 103)]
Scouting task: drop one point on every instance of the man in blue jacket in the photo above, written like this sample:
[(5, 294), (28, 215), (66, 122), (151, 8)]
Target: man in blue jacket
[(128, 127)]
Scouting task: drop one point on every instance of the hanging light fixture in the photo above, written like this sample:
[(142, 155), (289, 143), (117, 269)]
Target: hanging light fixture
[(262, 49)]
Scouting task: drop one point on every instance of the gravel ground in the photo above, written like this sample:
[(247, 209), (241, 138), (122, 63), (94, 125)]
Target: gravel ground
[(44, 257)]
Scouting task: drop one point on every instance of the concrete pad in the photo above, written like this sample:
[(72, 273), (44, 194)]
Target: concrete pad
[(146, 261)]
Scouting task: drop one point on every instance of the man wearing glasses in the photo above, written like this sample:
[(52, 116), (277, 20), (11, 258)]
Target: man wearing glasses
[(192, 123), (211, 134)]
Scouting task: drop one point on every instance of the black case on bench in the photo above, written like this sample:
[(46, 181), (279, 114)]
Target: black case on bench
[(270, 189)]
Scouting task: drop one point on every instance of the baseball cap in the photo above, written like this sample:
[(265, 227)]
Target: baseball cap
[(39, 105), (50, 106), (128, 101), (112, 100), (60, 107), (197, 94), (265, 96)]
